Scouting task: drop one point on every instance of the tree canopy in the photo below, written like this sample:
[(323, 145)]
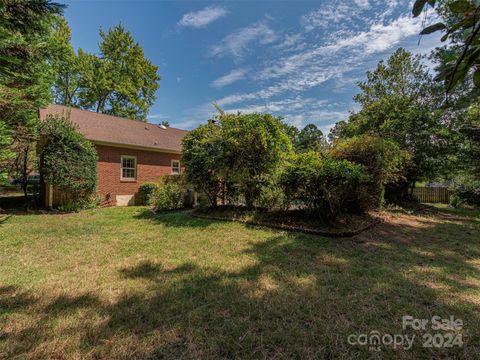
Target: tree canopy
[(399, 103), (25, 78), (461, 25), (119, 81)]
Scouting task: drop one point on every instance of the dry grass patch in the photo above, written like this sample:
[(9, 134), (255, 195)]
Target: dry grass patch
[(126, 283)]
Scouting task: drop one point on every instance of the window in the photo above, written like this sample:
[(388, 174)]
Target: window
[(129, 167), (175, 167)]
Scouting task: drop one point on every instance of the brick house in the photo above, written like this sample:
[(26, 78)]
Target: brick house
[(130, 153)]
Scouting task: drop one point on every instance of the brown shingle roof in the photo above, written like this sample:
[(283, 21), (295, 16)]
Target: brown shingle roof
[(120, 131)]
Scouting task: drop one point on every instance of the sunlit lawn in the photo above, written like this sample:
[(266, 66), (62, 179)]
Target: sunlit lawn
[(123, 283)]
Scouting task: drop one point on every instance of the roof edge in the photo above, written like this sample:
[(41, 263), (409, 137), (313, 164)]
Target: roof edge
[(135, 147)]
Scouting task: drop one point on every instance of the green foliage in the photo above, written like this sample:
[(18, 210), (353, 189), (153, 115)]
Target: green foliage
[(382, 159), (169, 195), (399, 103), (253, 147), (66, 65), (470, 134), (6, 155), (235, 151), (78, 204), (119, 81), (310, 138), (461, 26), (202, 153), (456, 201), (467, 189), (272, 196), (25, 80), (324, 185), (68, 160), (147, 192)]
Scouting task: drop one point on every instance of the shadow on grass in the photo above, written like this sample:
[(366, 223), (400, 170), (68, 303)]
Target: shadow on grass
[(301, 298)]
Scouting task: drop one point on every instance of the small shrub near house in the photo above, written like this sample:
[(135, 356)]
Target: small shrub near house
[(325, 186), (170, 194), (147, 192), (68, 161)]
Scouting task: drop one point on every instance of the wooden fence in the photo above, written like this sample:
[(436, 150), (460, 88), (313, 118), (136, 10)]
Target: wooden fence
[(432, 194)]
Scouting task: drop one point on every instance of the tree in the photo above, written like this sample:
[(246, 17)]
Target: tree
[(399, 103), (25, 81), (65, 63), (254, 145), (120, 81), (461, 24), (310, 138)]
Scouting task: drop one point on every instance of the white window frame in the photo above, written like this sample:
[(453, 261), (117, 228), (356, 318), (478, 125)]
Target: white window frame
[(134, 168), (171, 167)]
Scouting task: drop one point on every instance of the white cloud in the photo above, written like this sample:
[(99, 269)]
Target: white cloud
[(377, 38), (201, 18), (362, 3), (327, 15), (230, 78), (236, 44)]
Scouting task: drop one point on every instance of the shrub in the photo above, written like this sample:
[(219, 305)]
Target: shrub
[(201, 156), (236, 152), (271, 196), (325, 186), (456, 201), (146, 192), (468, 194), (68, 160), (254, 147), (382, 159), (170, 194)]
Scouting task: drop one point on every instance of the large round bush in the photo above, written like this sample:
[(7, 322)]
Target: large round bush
[(68, 160)]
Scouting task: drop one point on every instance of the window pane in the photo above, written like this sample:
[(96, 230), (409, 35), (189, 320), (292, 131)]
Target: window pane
[(128, 173), (175, 167), (128, 163)]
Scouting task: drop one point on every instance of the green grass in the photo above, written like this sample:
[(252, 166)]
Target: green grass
[(123, 283)]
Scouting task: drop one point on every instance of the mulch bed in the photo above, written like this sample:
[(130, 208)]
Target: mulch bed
[(346, 225)]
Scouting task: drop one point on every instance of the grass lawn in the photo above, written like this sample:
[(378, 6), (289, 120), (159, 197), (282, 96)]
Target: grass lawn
[(123, 283)]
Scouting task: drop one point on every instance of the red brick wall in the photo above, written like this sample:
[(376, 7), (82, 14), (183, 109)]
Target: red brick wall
[(151, 166)]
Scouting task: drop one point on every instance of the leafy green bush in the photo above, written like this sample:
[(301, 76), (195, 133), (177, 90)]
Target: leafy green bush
[(468, 194), (324, 185), (271, 196), (201, 152), (68, 160), (235, 152), (382, 159), (146, 192), (456, 201), (169, 196)]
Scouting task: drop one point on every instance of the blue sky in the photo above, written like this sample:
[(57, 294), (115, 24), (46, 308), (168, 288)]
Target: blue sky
[(297, 59)]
